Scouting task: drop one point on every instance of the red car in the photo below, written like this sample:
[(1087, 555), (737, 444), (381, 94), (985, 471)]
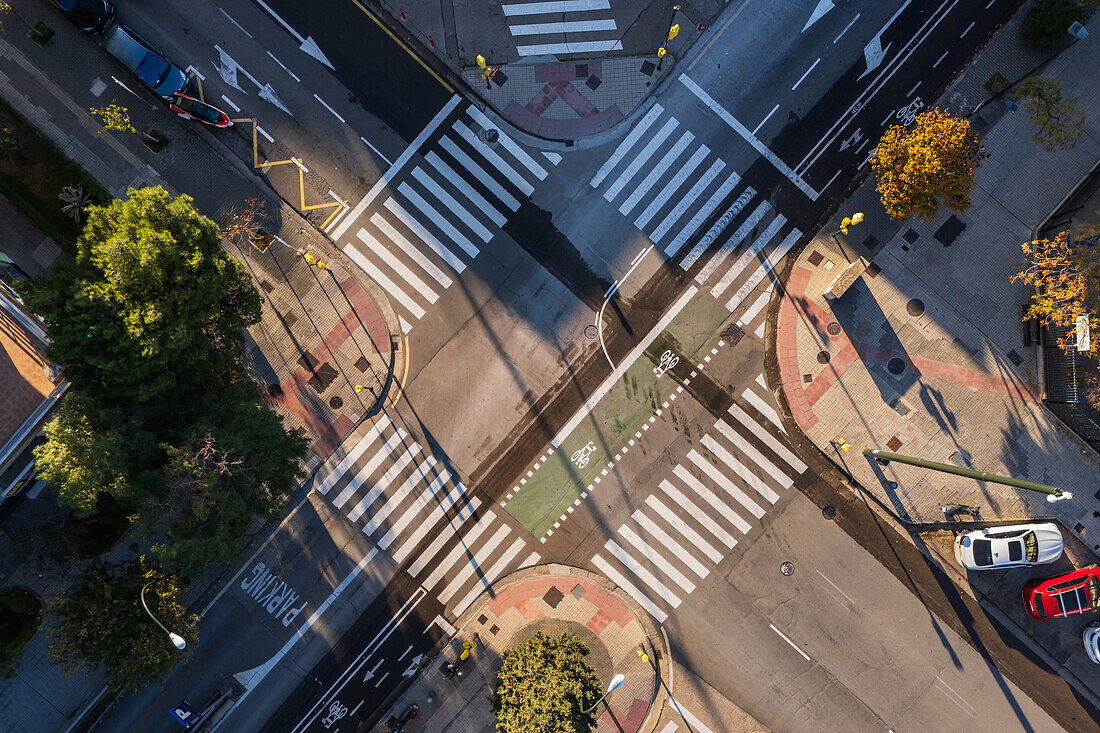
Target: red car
[(1077, 591)]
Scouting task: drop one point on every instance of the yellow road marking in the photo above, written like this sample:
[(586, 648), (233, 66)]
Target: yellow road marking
[(401, 43)]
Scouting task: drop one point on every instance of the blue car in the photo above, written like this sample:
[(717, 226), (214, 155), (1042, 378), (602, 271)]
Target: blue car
[(149, 65), (91, 15)]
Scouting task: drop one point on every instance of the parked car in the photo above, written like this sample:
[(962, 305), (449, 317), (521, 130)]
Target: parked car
[(149, 65), (92, 16), (190, 108), (1091, 636), (1018, 545), (1069, 594)]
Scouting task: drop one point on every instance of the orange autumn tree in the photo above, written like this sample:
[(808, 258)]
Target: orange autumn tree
[(1056, 269), (926, 168)]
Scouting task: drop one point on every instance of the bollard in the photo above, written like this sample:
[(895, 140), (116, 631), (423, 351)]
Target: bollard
[(402, 11)]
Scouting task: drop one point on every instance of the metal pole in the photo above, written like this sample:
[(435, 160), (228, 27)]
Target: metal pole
[(882, 455), (176, 639)]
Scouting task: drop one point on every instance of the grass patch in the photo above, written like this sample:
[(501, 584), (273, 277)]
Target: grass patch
[(33, 171), (20, 616)]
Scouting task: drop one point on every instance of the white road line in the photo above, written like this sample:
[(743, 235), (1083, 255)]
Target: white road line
[(700, 216), (440, 221), (684, 528), (473, 564), (462, 548), (766, 118), (479, 173), (405, 325), (397, 266), (641, 573), (377, 152), (758, 430), (723, 509), (449, 202), (555, 159), (656, 558), (641, 159), (837, 588), (263, 132), (765, 267), (410, 251), (369, 467), (509, 144), (656, 172), (760, 334), (384, 511), (967, 29), (672, 186), (670, 544), (749, 137), (803, 77), (545, 49), (850, 24), (632, 590), (763, 407), (956, 697), (793, 645), (696, 724), (760, 380), (941, 58), (625, 146), (429, 522), (907, 95), (294, 77), (739, 468), (241, 28), (757, 305), (670, 727), (554, 6), (353, 455), (387, 284), (425, 236), (485, 580), (384, 481), (753, 252), (728, 247), (229, 101), (566, 26), (467, 190), (684, 203), (620, 370), (724, 483), (491, 155)]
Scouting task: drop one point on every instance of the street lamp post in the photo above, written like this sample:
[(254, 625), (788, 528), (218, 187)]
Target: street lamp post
[(177, 640), (616, 682)]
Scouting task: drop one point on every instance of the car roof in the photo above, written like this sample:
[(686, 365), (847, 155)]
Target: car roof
[(123, 44)]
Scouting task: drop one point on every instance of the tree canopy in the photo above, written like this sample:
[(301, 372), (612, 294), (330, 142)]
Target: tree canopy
[(1065, 276), (926, 168), (1058, 121), (543, 685)]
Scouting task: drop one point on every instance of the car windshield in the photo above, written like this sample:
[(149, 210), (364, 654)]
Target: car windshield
[(1015, 551), (153, 70), (1031, 547), (983, 553)]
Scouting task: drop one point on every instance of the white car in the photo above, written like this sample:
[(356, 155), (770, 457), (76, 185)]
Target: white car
[(1015, 546), (1092, 641)]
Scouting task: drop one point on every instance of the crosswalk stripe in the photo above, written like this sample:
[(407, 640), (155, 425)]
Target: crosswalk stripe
[(672, 186), (632, 590), (509, 144), (473, 564), (673, 546), (397, 266), (427, 237), (656, 558), (728, 246), (683, 204), (670, 727), (422, 500), (544, 49), (485, 580), (392, 502), (479, 173), (725, 484), (767, 438), (754, 481), (696, 724), (763, 407), (625, 146), (765, 267), (757, 305), (564, 26), (412, 252), (760, 380), (428, 523), (750, 254), (384, 481), (462, 548), (641, 159), (491, 155), (353, 455), (449, 202), (723, 509), (701, 215), (641, 573), (438, 219), (467, 190), (684, 528), (555, 159), (656, 172), (369, 467), (379, 277), (703, 243), (554, 6)]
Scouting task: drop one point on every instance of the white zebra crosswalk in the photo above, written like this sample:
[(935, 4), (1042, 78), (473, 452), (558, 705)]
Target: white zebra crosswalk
[(569, 26), (400, 494), (685, 527), (440, 213)]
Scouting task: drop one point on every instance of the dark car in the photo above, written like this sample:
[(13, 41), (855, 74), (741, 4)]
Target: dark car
[(92, 16), (149, 65)]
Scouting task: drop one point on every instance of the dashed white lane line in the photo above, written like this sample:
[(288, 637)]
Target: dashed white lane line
[(793, 645), (326, 106), (803, 77), (228, 101)]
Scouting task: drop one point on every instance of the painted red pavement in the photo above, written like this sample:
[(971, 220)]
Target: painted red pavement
[(522, 594)]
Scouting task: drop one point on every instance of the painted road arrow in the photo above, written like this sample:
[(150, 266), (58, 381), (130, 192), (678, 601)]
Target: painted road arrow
[(308, 44), (412, 666), (874, 53), (823, 6), (852, 140), (371, 673)]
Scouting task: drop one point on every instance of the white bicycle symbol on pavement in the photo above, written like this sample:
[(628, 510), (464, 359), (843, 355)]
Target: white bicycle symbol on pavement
[(582, 455), (909, 113), (335, 712), (668, 361)]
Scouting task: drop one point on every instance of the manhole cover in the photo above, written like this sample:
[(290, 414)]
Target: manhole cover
[(895, 365), (833, 329), (787, 568), (490, 135), (915, 307), (823, 357), (336, 403), (590, 331), (828, 511)]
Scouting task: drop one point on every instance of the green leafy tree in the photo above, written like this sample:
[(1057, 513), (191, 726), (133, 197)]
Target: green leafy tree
[(926, 168), (1058, 121), (543, 685), (101, 621), (1048, 21)]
